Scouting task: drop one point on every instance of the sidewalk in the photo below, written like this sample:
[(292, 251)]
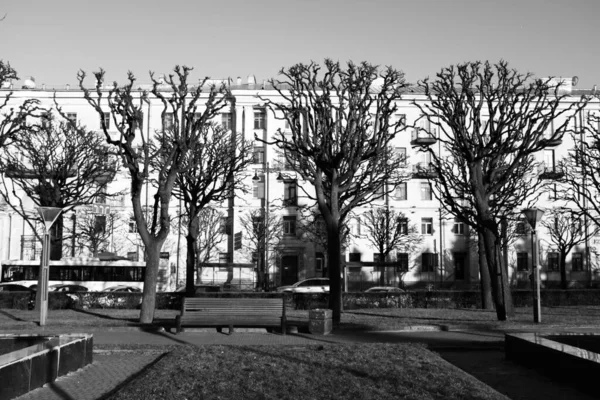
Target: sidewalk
[(479, 353)]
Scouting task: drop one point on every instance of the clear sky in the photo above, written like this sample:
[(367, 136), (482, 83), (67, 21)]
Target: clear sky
[(52, 39)]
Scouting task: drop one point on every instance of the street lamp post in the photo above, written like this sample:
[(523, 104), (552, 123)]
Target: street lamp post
[(533, 215), (49, 215)]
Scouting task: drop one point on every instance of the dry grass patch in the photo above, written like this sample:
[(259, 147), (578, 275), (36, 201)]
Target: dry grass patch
[(366, 371)]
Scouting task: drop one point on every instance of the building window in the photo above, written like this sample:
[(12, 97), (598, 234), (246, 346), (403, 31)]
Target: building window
[(522, 261), (319, 262), (226, 121), (460, 259), (577, 261), (426, 193), (258, 187), (401, 118), (403, 226), (290, 194), (428, 262), (552, 261), (72, 116), (377, 258), (223, 225), (401, 193), (354, 257), (168, 122), (459, 227), (99, 224), (549, 160), (401, 153), (402, 259), (521, 228), (258, 154), (132, 226), (289, 225), (356, 227), (106, 119), (427, 226), (223, 258), (259, 119)]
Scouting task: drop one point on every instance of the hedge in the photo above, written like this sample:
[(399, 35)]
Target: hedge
[(309, 301)]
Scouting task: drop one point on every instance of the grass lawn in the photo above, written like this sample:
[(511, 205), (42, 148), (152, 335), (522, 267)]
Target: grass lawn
[(365, 371)]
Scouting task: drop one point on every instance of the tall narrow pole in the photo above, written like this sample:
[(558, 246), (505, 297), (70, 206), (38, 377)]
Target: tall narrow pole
[(266, 227), (44, 278), (535, 276)]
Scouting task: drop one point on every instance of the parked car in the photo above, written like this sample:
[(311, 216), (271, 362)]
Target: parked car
[(68, 288), (311, 285), (384, 289), (13, 287), (123, 288)]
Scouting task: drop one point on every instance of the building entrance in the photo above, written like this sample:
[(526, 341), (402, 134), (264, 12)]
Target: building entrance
[(289, 269)]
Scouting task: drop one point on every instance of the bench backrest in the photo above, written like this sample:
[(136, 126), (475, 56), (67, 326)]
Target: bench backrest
[(237, 306)]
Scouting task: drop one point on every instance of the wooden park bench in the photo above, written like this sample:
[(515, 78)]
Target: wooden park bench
[(232, 312)]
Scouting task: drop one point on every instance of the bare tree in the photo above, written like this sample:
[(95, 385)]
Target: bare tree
[(492, 121), (263, 232), (15, 120), (211, 233), (342, 128), (214, 174), (94, 231), (161, 160), (388, 230), (566, 229), (60, 164)]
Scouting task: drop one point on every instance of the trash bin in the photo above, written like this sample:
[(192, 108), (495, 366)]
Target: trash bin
[(320, 321)]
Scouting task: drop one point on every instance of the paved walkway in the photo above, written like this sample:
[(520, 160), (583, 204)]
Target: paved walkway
[(478, 353)]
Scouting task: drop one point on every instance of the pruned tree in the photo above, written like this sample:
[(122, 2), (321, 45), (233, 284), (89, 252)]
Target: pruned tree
[(566, 230), (15, 119), (213, 174), (342, 127), (157, 161), (263, 232), (387, 231), (492, 121), (58, 164)]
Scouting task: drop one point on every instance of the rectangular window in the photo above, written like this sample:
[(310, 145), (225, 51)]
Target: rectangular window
[(401, 193), (258, 188), (377, 257), (356, 227), (459, 227), (460, 259), (401, 153), (549, 161), (401, 119), (521, 228), (426, 193), (428, 262), (258, 154), (259, 119), (132, 226), (577, 262), (522, 261), (223, 225), (99, 224), (290, 194), (72, 116), (402, 259), (289, 225), (403, 226), (227, 121), (319, 262), (257, 226), (552, 261), (168, 122), (106, 119), (427, 226), (354, 257)]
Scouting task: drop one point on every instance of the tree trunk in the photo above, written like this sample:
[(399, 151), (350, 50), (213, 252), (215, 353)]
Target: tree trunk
[(563, 269), (498, 276), (56, 233), (190, 264), (335, 282), (150, 279), (487, 302)]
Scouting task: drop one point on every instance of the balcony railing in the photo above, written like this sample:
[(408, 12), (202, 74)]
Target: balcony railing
[(551, 142), (423, 171), (550, 172), (423, 138)]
